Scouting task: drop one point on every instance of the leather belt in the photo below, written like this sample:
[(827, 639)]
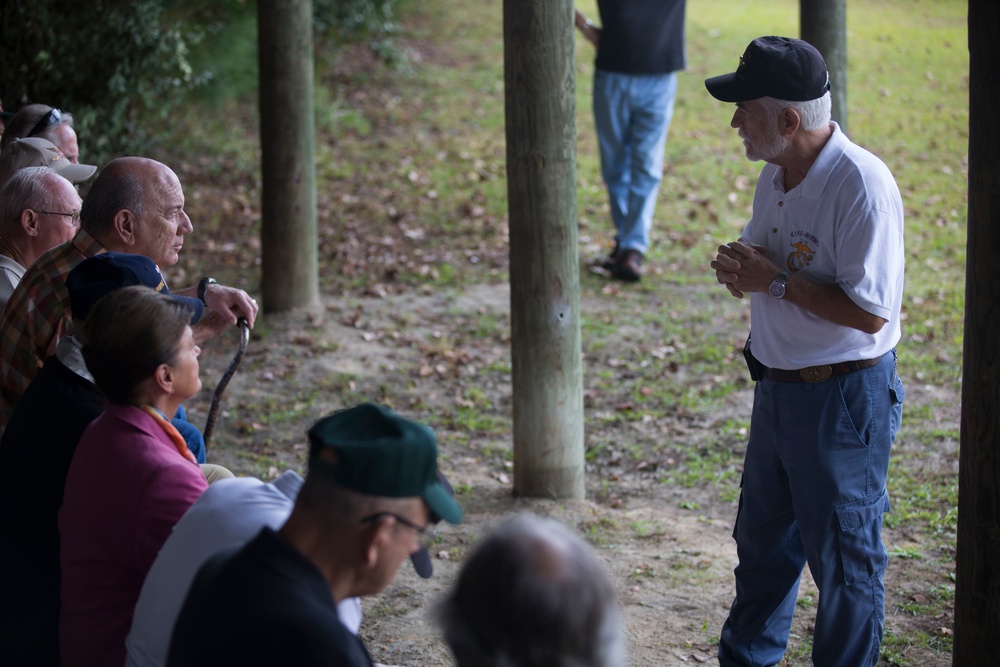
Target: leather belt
[(818, 373)]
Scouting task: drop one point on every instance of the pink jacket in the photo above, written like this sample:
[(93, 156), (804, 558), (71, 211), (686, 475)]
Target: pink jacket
[(127, 487)]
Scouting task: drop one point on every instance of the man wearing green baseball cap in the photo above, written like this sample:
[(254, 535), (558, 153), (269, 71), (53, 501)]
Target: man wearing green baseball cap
[(372, 492)]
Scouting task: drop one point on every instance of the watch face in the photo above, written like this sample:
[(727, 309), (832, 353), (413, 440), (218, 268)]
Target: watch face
[(777, 290)]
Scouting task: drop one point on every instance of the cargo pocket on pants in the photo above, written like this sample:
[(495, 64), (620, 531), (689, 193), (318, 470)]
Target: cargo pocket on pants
[(862, 554)]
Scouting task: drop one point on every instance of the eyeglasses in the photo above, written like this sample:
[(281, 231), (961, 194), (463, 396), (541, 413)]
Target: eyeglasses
[(427, 534), (53, 117), (72, 214)]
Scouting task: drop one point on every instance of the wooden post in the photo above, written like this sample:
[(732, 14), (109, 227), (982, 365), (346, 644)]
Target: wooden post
[(823, 23), (288, 171), (540, 80), (977, 588)]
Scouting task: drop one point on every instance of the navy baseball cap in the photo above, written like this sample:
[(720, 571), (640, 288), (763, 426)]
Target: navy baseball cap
[(98, 275), (779, 67)]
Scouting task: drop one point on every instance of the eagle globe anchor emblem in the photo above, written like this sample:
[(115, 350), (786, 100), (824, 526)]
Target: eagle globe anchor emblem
[(801, 257)]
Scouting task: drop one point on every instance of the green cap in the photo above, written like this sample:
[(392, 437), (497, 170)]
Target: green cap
[(380, 453)]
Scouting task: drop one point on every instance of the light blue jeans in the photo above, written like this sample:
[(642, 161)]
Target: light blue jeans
[(814, 491), (632, 114)]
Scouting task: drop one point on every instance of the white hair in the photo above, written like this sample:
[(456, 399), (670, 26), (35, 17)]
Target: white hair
[(26, 188), (815, 114)]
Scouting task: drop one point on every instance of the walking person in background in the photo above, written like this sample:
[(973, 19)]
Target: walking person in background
[(640, 48), (822, 261)]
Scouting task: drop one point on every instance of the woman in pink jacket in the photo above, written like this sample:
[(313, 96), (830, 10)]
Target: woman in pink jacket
[(132, 476)]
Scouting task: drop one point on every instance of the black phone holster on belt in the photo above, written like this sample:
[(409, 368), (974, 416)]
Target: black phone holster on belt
[(755, 367)]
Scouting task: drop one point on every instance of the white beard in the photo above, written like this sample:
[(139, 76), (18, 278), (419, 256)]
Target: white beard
[(768, 147)]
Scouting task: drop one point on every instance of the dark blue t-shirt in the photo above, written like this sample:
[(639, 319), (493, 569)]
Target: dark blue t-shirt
[(262, 604), (641, 36)]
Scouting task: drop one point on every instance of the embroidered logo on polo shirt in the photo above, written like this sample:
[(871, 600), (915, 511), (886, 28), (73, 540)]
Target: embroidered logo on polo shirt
[(804, 245), (801, 256)]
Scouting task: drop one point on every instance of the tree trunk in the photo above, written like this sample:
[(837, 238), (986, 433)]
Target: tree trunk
[(540, 79), (977, 590), (823, 23), (287, 130)]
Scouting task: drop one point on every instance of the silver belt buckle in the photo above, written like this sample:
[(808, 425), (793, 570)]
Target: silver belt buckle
[(816, 373)]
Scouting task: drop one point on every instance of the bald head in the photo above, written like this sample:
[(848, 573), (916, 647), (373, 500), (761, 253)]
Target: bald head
[(136, 205)]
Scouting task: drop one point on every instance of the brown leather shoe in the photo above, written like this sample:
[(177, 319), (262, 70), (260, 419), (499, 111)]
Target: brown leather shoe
[(628, 267)]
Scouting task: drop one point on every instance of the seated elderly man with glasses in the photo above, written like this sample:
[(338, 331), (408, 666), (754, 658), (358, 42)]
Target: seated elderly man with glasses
[(39, 209), (41, 120)]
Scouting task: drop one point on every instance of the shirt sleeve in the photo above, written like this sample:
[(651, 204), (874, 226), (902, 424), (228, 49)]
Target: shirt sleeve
[(871, 273)]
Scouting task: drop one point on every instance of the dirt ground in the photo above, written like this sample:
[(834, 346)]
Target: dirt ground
[(668, 546)]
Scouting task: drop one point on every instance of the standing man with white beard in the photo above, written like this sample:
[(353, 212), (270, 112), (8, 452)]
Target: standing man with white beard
[(822, 260)]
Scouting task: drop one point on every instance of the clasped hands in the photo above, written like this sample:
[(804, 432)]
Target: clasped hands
[(744, 267)]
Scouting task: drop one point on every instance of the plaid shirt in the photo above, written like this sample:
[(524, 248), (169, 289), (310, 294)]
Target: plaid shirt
[(36, 316)]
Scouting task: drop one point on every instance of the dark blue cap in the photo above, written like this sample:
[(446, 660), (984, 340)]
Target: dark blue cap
[(96, 276), (779, 67)]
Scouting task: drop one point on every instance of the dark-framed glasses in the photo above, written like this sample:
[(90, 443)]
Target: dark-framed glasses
[(53, 117), (75, 215), (426, 534)]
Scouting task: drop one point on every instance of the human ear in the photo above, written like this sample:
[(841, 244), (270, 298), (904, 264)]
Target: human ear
[(164, 377), (790, 121), (29, 222), (377, 538), (125, 225)]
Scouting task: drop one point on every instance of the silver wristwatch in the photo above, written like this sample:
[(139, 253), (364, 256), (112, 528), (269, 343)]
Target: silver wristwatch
[(777, 288)]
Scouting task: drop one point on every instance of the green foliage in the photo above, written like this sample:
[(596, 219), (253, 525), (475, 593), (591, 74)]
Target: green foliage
[(113, 64), (371, 22), (125, 69)]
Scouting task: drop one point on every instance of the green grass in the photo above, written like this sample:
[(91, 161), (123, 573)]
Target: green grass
[(718, 464)]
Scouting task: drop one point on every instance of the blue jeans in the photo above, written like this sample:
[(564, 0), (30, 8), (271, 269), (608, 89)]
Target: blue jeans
[(632, 114), (192, 436), (814, 491)]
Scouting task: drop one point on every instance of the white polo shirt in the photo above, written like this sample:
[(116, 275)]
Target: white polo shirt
[(843, 225)]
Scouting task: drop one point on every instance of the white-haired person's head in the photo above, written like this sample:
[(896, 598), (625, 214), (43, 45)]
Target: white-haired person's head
[(533, 594)]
